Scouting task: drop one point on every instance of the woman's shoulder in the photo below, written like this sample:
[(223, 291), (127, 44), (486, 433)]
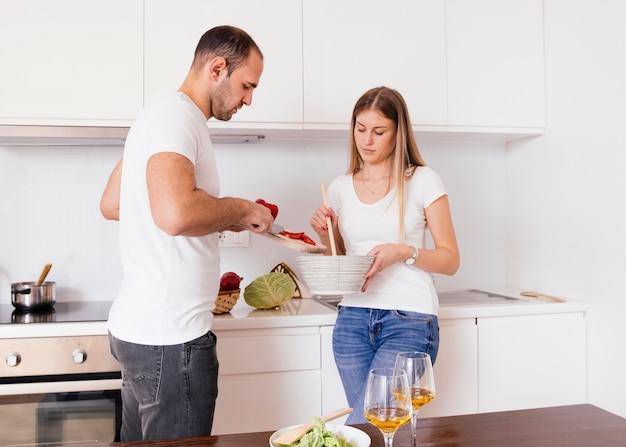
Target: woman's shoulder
[(341, 181), (426, 183), (425, 173)]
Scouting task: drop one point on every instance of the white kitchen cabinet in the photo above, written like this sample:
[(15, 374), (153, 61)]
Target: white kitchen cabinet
[(173, 29), (463, 66), (269, 378), (333, 395), (495, 62), (71, 62), (456, 370), (492, 364), (352, 46), (531, 361)]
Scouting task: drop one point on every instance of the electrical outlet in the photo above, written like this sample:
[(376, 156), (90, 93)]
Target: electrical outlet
[(234, 238)]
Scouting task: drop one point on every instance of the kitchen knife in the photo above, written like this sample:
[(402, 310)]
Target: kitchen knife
[(276, 228)]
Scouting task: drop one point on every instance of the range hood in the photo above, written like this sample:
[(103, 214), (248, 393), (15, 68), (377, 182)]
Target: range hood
[(12, 136), (62, 136)]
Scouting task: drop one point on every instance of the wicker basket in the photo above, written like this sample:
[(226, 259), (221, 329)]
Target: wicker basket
[(226, 300), (284, 268)]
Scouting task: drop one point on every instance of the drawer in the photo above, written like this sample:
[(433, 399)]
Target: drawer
[(268, 350)]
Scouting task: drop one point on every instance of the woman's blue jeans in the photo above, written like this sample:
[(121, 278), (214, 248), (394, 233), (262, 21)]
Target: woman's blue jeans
[(167, 391), (366, 338)]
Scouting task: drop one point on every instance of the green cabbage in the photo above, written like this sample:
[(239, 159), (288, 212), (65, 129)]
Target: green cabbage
[(270, 290), (319, 436)]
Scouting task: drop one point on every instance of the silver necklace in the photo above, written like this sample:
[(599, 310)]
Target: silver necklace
[(385, 183)]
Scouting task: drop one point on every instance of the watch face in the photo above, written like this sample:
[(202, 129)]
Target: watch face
[(412, 259)]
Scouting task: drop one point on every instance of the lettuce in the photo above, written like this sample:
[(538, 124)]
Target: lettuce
[(320, 437), (269, 290)]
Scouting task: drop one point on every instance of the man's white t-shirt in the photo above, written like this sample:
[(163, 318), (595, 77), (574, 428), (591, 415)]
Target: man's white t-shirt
[(363, 226), (170, 283)]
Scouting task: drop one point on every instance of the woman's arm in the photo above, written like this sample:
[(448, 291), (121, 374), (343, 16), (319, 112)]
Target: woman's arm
[(444, 258)]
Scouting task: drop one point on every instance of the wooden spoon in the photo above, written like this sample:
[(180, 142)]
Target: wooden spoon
[(44, 273), (291, 436), (331, 234), (541, 295)]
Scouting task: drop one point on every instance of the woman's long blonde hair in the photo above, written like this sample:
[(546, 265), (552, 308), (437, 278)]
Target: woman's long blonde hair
[(406, 156)]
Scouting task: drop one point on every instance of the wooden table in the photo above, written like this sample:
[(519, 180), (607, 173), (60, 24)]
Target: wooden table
[(568, 426)]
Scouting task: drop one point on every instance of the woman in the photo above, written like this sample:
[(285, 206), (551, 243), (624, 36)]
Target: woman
[(382, 208)]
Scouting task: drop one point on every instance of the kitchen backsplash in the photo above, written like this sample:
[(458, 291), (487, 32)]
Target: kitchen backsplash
[(49, 209)]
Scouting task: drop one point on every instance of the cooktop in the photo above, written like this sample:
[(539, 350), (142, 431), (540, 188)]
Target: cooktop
[(61, 312)]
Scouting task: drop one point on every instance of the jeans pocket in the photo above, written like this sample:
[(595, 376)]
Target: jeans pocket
[(413, 316), (141, 368), (145, 388), (201, 353), (206, 341)]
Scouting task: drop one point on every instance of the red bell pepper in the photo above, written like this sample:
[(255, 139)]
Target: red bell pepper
[(273, 208)]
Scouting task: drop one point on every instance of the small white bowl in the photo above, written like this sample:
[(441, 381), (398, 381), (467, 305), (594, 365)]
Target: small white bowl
[(356, 437)]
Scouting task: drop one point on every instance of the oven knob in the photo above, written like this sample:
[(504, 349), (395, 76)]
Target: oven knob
[(13, 359), (79, 356)]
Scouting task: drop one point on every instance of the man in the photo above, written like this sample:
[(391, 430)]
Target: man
[(164, 192)]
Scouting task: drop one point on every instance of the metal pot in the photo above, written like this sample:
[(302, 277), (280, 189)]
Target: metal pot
[(27, 295)]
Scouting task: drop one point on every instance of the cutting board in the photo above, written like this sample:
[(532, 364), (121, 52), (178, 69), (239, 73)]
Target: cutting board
[(294, 244)]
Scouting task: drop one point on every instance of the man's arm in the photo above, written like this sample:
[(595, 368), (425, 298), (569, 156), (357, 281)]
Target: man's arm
[(110, 201)]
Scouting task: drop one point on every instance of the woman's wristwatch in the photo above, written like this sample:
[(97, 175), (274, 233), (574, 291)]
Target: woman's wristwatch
[(413, 257)]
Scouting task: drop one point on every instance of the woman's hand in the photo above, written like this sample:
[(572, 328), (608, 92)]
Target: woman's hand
[(384, 256), (319, 223)]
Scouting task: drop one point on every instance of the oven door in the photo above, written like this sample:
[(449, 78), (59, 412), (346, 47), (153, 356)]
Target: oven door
[(60, 418), (59, 391)]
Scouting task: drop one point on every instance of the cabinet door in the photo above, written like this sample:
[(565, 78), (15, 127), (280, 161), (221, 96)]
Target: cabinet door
[(71, 62), (354, 45), (495, 63), (264, 402), (333, 395), (173, 29), (531, 361), (269, 378), (456, 370)]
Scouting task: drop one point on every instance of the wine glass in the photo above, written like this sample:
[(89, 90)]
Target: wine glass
[(387, 401), (419, 371)]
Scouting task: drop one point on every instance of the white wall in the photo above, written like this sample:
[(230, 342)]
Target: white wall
[(566, 190), (49, 212)]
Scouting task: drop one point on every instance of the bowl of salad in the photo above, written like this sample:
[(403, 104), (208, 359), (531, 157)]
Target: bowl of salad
[(327, 435)]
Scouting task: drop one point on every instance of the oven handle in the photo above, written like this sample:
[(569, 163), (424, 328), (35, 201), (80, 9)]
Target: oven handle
[(60, 387)]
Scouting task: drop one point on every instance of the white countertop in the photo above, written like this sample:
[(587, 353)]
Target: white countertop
[(305, 312), (294, 313), (526, 306)]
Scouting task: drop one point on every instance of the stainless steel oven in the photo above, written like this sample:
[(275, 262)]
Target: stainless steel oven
[(59, 383)]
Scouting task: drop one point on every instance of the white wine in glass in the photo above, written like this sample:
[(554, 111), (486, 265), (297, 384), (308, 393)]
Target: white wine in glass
[(387, 401), (419, 371)]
